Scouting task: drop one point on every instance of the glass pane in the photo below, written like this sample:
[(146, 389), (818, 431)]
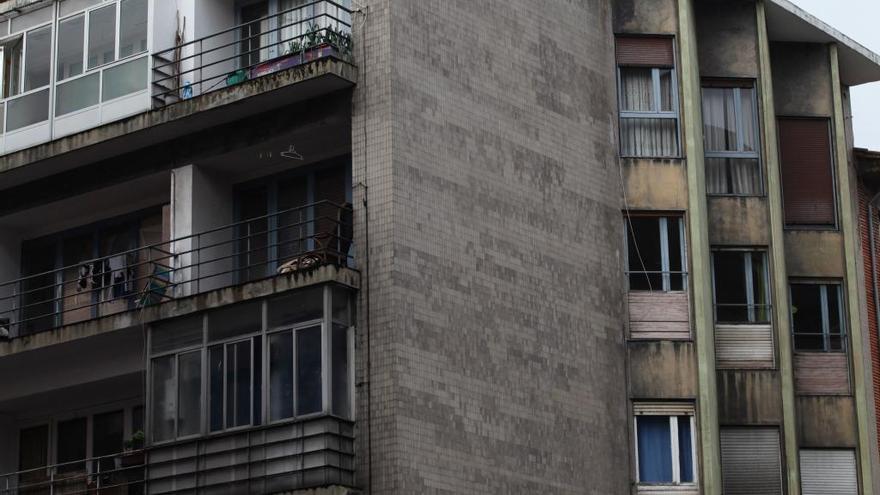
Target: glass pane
[(189, 394), (125, 79), (636, 89), (33, 449), (216, 371), (341, 370), (102, 36), (293, 226), (674, 227), (308, 371), (749, 120), (341, 305), (738, 176), (28, 110), (666, 90), (107, 438), (643, 240), (254, 235), (649, 137), (281, 376), (71, 6), (70, 47), (132, 27), (37, 56), (235, 320), (730, 286), (31, 19), (12, 51), (238, 384), (685, 450), (71, 445), (760, 291), (164, 398), (806, 317), (296, 307), (835, 318), (655, 449), (719, 119), (77, 94)]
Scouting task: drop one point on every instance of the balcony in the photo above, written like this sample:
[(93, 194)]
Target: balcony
[(289, 243)]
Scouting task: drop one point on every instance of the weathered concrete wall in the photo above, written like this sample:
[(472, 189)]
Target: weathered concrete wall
[(811, 253), (749, 397), (801, 79), (645, 16), (662, 370), (727, 38), (827, 422), (655, 184), (738, 221), (495, 277)]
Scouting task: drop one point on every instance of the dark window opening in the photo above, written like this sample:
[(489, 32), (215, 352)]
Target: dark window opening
[(655, 253), (817, 318), (741, 287)]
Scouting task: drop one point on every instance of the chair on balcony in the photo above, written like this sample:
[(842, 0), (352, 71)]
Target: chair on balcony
[(332, 243)]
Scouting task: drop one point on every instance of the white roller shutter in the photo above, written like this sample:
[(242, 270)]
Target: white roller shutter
[(750, 462), (744, 346), (829, 472)]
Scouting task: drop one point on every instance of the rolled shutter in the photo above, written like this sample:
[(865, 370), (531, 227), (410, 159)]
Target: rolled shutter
[(750, 461), (744, 346), (645, 52), (829, 472), (807, 177)]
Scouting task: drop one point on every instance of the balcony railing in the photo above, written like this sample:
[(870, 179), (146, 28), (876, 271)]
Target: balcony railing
[(113, 474), (289, 241), (316, 30)]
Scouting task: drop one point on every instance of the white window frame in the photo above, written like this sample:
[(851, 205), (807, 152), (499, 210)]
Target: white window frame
[(672, 412), (656, 113), (740, 152), (665, 264), (826, 321), (750, 284)]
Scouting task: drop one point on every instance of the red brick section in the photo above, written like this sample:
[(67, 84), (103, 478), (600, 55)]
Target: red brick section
[(870, 270)]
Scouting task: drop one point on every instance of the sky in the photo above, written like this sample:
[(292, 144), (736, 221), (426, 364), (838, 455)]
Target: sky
[(860, 20)]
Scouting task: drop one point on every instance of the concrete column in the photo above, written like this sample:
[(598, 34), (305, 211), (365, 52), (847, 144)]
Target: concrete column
[(701, 269), (849, 228), (778, 275)]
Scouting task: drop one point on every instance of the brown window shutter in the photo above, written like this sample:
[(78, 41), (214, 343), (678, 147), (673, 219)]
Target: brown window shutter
[(807, 179), (645, 52)]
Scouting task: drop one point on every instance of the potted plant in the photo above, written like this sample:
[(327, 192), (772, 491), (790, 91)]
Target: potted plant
[(134, 454)]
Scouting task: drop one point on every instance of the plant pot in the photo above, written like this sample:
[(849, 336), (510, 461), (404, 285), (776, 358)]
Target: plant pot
[(130, 459)]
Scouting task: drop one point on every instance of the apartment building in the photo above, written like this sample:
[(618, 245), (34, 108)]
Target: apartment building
[(375, 246)]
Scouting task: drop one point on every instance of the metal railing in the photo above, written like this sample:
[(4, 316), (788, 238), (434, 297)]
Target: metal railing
[(288, 241), (117, 474), (312, 31)]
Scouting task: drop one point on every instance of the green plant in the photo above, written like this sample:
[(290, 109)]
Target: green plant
[(136, 442), (294, 47), (313, 36)]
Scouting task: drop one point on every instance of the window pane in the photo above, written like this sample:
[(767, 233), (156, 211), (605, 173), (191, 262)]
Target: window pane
[(25, 21), (308, 371), (71, 6), (107, 438), (749, 120), (719, 119), (636, 89), (341, 305), (674, 227), (70, 47), (216, 370), (33, 451), (37, 56), (655, 449), (806, 316), (77, 94), (835, 319), (176, 334), (730, 286), (235, 320), (649, 137), (102, 36), (238, 384), (296, 307), (281, 376), (13, 50), (666, 90), (71, 445), (125, 79), (164, 397), (341, 369), (643, 235), (685, 450), (189, 394), (739, 176), (132, 27), (760, 291)]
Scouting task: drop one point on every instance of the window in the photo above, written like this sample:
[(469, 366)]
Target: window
[(817, 317), (102, 36), (132, 27), (829, 471), (33, 453), (648, 96), (71, 33), (807, 173), (664, 445), (741, 286), (308, 345), (38, 53), (12, 51), (656, 253), (730, 134), (750, 461), (71, 446)]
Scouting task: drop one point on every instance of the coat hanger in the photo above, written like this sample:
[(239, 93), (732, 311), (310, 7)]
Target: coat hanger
[(291, 153)]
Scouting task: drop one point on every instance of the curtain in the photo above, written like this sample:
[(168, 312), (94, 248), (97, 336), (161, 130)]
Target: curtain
[(730, 175), (685, 450), (655, 449), (646, 136)]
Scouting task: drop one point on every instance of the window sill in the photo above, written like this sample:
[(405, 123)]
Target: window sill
[(660, 489)]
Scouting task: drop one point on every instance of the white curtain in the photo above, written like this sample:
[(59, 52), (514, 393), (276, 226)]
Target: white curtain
[(645, 136), (729, 175)]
